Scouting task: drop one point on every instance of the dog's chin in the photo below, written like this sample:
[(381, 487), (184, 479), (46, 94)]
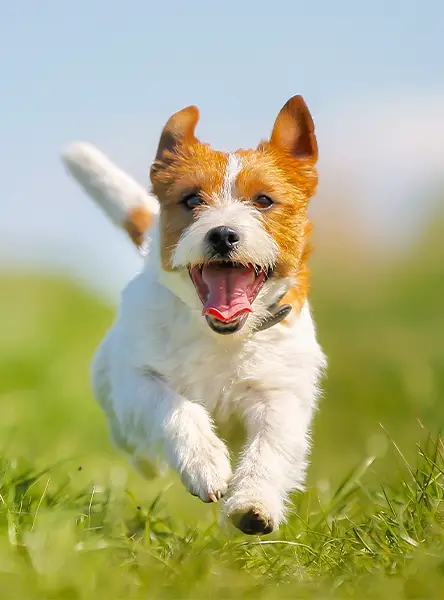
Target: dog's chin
[(227, 290), (226, 328)]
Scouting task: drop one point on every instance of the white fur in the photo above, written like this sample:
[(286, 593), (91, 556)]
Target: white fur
[(163, 378), (256, 245), (113, 189), (234, 165)]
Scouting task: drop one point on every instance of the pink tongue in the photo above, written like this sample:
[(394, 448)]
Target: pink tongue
[(227, 296)]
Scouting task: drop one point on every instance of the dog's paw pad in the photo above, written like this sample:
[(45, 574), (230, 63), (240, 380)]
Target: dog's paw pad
[(253, 522)]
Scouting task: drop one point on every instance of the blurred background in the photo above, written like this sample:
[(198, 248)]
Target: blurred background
[(111, 73)]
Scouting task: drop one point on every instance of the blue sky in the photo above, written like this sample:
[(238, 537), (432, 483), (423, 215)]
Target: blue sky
[(111, 72)]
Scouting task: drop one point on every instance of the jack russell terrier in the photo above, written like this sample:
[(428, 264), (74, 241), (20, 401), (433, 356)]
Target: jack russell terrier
[(218, 322)]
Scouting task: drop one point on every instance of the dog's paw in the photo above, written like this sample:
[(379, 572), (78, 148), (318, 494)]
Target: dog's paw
[(207, 472), (253, 521), (254, 513)]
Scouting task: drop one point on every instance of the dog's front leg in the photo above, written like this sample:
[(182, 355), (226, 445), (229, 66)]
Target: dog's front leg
[(273, 461), (154, 417)]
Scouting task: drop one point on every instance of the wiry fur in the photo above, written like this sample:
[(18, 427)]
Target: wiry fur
[(164, 379)]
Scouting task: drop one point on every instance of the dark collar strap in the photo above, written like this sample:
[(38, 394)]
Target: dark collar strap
[(276, 314)]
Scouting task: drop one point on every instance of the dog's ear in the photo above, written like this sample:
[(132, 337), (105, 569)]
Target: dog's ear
[(293, 130), (178, 130)]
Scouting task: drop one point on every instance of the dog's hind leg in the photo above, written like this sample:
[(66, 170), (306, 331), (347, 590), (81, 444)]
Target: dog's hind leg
[(101, 386), (148, 467)]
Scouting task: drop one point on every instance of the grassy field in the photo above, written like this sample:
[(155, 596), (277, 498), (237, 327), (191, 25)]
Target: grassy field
[(76, 522)]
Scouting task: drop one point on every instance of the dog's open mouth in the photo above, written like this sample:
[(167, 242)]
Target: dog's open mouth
[(227, 291)]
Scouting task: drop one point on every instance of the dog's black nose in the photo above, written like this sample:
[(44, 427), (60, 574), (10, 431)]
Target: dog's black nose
[(223, 239)]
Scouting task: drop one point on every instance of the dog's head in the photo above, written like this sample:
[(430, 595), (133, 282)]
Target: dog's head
[(236, 222)]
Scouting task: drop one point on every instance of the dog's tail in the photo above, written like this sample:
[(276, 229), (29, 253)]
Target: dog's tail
[(123, 200)]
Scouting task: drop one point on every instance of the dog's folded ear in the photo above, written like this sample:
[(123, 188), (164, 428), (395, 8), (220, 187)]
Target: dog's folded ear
[(293, 130), (178, 130)]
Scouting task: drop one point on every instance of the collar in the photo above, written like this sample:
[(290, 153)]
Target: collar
[(275, 315)]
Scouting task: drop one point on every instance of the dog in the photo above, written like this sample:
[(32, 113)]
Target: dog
[(218, 322)]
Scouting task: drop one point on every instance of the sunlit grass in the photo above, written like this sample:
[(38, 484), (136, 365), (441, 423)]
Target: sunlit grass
[(62, 540)]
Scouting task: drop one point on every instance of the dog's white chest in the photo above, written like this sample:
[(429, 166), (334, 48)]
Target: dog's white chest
[(206, 375), (159, 332), (164, 335)]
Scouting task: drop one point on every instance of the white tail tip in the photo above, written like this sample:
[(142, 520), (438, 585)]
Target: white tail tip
[(124, 201)]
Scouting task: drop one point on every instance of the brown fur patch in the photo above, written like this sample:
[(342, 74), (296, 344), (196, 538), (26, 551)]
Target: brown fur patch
[(298, 294), (138, 221), (284, 169), (290, 183), (194, 167)]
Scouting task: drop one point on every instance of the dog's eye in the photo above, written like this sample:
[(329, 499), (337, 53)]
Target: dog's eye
[(263, 202), (192, 201)]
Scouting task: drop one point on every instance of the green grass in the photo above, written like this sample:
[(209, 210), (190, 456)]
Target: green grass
[(77, 522), (63, 540)]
